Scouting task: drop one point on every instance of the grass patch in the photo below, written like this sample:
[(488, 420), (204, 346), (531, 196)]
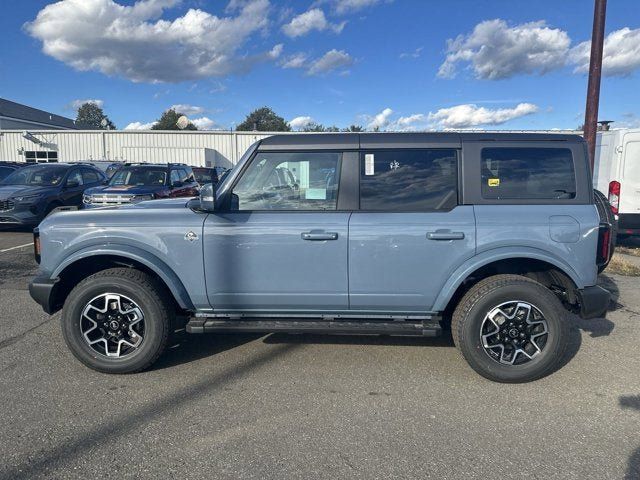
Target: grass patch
[(628, 250), (622, 267)]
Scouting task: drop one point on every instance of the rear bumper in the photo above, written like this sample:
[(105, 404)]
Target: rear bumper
[(41, 290), (629, 224), (593, 301)]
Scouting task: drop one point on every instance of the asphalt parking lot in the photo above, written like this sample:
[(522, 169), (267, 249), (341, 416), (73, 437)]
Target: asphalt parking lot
[(290, 406)]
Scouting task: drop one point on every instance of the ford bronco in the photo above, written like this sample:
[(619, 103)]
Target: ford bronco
[(495, 235)]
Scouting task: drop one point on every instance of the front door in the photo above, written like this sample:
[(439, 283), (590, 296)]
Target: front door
[(282, 244), (410, 233)]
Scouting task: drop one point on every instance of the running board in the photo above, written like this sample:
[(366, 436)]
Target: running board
[(303, 325)]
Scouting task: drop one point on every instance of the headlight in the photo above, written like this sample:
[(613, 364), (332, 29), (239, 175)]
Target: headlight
[(87, 199), (141, 198), (26, 198)]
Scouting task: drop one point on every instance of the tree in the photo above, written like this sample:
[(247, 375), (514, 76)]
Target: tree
[(354, 128), (168, 121), (90, 116), (264, 120)]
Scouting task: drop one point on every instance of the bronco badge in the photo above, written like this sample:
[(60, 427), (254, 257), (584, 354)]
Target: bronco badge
[(191, 236)]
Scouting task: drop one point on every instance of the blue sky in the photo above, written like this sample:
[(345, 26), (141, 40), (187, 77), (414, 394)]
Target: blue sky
[(392, 64)]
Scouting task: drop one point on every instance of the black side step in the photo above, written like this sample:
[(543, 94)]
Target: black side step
[(302, 325)]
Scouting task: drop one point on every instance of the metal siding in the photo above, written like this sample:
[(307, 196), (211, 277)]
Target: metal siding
[(150, 146)]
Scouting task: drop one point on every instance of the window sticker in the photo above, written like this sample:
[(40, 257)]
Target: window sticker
[(369, 168), (493, 182), (316, 194), (394, 165)]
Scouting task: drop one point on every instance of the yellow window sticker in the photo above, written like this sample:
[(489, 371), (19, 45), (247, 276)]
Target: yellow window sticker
[(493, 182)]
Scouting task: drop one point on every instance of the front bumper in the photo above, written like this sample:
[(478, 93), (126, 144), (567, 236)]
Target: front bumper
[(22, 214), (594, 301), (42, 291)]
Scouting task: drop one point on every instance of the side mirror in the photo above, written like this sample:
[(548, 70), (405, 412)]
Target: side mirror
[(208, 198)]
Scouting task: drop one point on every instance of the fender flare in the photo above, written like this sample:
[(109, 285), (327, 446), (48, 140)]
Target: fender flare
[(149, 260), (487, 257)]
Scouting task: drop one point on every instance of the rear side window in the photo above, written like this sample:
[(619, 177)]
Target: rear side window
[(414, 180), (527, 173)]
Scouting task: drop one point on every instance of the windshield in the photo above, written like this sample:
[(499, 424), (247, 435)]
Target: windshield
[(37, 176), (139, 176)]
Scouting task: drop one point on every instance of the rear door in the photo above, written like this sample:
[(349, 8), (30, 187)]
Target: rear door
[(630, 179), (410, 232)]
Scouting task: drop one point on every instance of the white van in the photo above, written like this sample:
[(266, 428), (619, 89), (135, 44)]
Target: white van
[(617, 175)]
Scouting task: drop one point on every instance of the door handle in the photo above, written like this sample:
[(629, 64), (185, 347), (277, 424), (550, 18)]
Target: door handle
[(440, 235), (315, 235)]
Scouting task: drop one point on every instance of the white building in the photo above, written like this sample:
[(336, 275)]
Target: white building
[(197, 148)]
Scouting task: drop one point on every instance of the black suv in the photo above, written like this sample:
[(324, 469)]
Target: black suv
[(30, 193)]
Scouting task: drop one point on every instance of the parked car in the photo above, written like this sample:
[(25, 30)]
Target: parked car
[(7, 168), (32, 192), (496, 234), (617, 175), (107, 166), (136, 182)]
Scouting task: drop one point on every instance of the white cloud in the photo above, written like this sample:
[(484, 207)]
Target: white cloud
[(621, 54), (331, 60), (186, 109), (415, 54), (495, 50), (298, 60), (348, 6), (306, 22), (381, 120), (76, 104), (204, 123), (410, 122), (470, 115), (299, 123), (139, 126), (136, 43)]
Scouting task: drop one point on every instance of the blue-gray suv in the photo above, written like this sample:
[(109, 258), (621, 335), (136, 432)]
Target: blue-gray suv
[(495, 235)]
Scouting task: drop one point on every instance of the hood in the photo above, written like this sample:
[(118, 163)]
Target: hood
[(149, 213), (7, 191), (125, 189)]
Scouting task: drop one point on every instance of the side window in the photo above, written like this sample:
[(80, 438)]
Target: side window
[(90, 176), (290, 181), (414, 180), (175, 176), (527, 173), (188, 176), (184, 176), (75, 177)]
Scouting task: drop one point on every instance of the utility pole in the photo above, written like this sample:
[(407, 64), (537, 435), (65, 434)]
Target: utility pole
[(595, 73)]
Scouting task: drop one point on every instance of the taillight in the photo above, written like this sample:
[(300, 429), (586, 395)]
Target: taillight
[(614, 196), (604, 244)]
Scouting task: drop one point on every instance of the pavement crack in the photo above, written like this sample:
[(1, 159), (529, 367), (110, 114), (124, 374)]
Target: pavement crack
[(16, 338)]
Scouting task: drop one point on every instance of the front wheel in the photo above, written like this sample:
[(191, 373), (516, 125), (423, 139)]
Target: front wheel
[(117, 320), (511, 329)]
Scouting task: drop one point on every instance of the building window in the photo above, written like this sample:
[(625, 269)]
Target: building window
[(40, 157)]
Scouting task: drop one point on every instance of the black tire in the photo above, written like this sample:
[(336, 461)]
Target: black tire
[(149, 295), (491, 292)]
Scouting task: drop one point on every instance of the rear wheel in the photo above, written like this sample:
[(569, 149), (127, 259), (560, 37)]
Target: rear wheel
[(117, 320), (511, 329)]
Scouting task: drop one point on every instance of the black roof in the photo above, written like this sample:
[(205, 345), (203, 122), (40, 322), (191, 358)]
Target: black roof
[(30, 114), (406, 140)]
